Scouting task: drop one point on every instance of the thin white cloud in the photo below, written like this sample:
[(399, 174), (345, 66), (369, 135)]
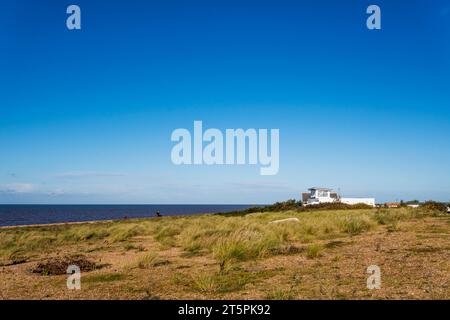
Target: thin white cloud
[(17, 188), (87, 174)]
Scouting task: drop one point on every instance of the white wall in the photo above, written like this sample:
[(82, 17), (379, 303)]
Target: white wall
[(326, 199), (369, 201)]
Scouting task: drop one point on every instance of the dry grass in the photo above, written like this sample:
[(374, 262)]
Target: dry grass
[(314, 251), (324, 255)]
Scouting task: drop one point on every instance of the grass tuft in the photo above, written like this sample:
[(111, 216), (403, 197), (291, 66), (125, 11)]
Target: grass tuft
[(280, 294), (105, 278), (354, 225), (314, 251)]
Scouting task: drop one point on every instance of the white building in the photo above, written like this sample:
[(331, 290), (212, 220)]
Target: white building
[(368, 201), (325, 195), (319, 195)]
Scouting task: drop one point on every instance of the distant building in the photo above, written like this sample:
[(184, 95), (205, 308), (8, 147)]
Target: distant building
[(368, 201), (392, 204), (413, 205), (318, 195)]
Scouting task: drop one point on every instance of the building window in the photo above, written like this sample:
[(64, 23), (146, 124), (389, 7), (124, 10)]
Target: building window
[(322, 194)]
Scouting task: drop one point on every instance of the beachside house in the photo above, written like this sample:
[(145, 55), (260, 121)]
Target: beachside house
[(392, 204), (318, 195)]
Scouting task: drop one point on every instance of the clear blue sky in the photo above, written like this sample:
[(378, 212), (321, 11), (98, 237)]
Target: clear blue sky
[(86, 116)]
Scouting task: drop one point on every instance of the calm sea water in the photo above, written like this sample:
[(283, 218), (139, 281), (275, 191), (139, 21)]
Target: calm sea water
[(13, 215)]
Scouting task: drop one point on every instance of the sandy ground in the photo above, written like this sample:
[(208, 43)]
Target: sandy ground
[(414, 263)]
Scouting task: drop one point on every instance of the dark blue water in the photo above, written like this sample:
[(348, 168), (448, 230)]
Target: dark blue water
[(13, 215)]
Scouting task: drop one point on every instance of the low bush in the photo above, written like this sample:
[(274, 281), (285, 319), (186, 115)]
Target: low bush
[(297, 206), (434, 206)]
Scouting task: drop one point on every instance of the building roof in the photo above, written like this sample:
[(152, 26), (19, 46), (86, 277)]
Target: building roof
[(321, 189), (392, 204)]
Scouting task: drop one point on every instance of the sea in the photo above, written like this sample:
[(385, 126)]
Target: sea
[(15, 215)]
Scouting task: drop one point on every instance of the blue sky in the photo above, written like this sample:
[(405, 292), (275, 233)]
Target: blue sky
[(86, 116)]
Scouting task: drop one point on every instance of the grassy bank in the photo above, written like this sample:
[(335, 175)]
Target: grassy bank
[(208, 255)]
